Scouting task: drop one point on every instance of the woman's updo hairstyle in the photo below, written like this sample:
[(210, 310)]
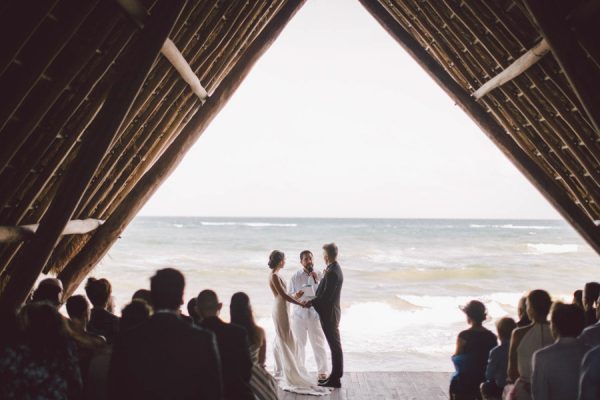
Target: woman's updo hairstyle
[(275, 258)]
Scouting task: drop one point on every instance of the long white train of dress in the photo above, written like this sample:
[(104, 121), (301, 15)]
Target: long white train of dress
[(293, 376)]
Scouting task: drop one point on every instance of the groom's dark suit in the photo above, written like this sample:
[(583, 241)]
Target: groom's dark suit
[(327, 305)]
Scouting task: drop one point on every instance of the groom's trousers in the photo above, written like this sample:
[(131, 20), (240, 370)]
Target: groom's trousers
[(332, 334)]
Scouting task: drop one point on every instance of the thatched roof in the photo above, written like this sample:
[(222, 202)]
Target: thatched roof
[(93, 118)]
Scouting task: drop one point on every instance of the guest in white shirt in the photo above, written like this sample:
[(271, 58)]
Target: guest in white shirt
[(556, 367), (305, 321), (591, 334)]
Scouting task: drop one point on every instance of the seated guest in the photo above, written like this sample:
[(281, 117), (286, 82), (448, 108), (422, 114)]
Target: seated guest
[(472, 348), (591, 291), (44, 365), (527, 340), (591, 334), (87, 343), (578, 298), (193, 313), (589, 381), (164, 357), (495, 372), (134, 314), (102, 322), (522, 313), (262, 383), (50, 290), (556, 367), (233, 347)]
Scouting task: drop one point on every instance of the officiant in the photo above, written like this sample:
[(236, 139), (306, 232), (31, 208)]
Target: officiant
[(305, 321)]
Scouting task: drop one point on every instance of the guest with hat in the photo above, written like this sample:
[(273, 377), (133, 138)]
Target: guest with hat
[(472, 348)]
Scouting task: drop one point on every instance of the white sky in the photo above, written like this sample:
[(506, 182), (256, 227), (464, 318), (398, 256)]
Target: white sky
[(336, 120)]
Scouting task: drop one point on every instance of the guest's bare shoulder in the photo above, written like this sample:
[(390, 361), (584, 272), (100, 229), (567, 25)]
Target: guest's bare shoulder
[(518, 333)]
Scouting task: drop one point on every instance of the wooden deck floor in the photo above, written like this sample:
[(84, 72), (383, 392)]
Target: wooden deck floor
[(384, 386)]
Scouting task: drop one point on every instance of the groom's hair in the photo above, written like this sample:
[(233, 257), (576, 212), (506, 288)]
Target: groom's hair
[(305, 252), (331, 250)]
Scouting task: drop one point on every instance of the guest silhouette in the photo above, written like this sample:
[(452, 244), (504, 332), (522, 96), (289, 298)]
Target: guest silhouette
[(233, 346), (164, 357)]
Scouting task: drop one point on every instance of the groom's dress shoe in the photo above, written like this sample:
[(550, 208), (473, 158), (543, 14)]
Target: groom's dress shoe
[(331, 383), (323, 378)]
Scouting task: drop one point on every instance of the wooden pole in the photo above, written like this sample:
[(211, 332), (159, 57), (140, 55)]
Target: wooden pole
[(544, 183), (11, 234), (32, 257), (584, 80), (104, 237), (515, 69)]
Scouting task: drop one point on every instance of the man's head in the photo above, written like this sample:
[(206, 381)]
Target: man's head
[(566, 320), (306, 259), (505, 326), (538, 305), (330, 253), (207, 304), (166, 289), (192, 311), (144, 295), (78, 309), (98, 291), (591, 290), (50, 290), (134, 314)]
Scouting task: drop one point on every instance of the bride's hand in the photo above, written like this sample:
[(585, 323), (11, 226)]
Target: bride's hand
[(299, 294)]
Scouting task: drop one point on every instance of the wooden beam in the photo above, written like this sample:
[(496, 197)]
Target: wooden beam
[(172, 53), (105, 236), (138, 14), (11, 234), (32, 257), (515, 69), (584, 80), (545, 184)]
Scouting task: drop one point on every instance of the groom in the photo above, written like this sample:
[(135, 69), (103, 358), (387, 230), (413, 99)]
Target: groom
[(327, 305)]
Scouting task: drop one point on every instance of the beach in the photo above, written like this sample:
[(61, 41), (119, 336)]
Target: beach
[(404, 278)]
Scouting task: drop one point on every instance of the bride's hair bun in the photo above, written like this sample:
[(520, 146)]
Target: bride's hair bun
[(275, 258)]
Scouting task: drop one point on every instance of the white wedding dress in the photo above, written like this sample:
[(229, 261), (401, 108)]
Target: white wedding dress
[(290, 375)]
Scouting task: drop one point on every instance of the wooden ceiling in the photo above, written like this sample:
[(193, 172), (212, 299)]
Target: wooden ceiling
[(94, 118)]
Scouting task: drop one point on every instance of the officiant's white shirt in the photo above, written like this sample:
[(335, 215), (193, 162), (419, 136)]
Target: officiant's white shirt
[(298, 280)]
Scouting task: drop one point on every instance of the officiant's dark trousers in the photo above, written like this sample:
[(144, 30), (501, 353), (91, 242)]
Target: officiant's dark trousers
[(332, 334)]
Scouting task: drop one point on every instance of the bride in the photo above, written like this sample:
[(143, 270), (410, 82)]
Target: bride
[(294, 377)]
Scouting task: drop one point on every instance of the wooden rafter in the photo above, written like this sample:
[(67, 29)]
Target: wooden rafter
[(11, 234), (538, 177), (104, 237), (569, 54), (33, 255)]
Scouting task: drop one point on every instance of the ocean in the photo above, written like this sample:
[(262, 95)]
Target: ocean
[(403, 278)]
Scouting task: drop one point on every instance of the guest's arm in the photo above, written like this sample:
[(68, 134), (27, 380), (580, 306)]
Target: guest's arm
[(491, 369), (460, 345), (262, 352), (589, 382), (513, 366), (211, 374), (539, 380), (244, 362)]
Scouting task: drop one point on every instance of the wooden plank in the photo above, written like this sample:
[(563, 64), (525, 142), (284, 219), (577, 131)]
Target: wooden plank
[(584, 80), (9, 234), (536, 175), (385, 386), (105, 236), (33, 255)]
